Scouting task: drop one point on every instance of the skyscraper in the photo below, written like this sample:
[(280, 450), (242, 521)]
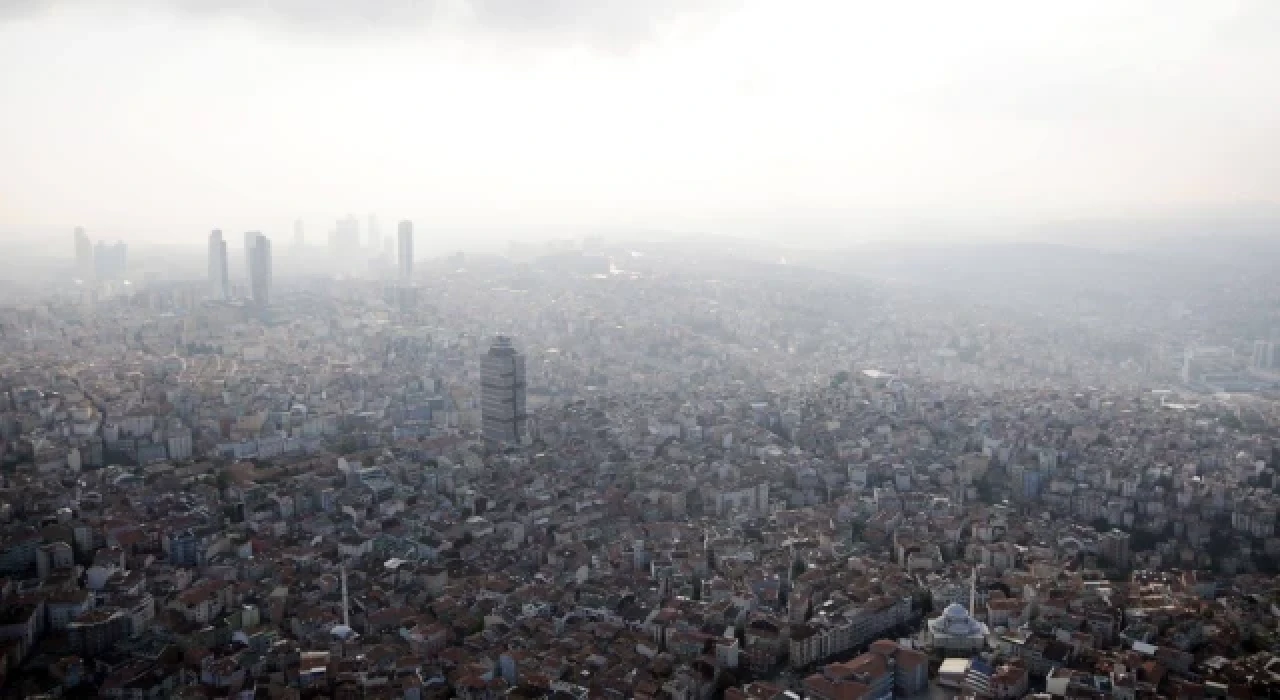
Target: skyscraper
[(257, 251), (219, 284), (1264, 355), (374, 240), (404, 249), (502, 393), (346, 238), (84, 255)]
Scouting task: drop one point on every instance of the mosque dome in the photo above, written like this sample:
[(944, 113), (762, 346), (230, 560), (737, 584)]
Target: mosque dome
[(955, 611), (955, 621)]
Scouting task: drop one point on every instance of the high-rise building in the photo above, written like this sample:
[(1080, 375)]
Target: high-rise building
[(404, 249), (110, 261), (184, 548), (219, 281), (1264, 355), (257, 251), (502, 393), (84, 254), (346, 237), (373, 239)]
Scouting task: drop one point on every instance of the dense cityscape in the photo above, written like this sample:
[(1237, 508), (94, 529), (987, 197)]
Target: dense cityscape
[(608, 468)]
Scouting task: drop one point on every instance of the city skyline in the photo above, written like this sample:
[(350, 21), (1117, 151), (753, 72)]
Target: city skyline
[(848, 474)]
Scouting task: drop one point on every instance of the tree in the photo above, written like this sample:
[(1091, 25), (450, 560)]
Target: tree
[(726, 681), (856, 529), (986, 493), (922, 601), (349, 444), (1144, 541)]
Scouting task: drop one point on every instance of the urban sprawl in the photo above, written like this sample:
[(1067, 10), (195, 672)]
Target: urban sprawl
[(590, 470)]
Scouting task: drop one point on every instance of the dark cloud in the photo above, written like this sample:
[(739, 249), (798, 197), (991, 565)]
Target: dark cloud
[(614, 23), (18, 8), (601, 15), (597, 21)]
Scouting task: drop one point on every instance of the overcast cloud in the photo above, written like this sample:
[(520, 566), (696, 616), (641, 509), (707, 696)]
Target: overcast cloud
[(165, 118), (605, 23)]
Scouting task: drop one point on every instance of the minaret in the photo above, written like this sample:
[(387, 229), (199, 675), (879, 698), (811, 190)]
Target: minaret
[(346, 607)]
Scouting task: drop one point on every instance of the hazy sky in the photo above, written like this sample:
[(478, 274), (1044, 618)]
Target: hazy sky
[(155, 118)]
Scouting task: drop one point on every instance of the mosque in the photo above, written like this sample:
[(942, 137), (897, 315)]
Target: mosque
[(955, 630)]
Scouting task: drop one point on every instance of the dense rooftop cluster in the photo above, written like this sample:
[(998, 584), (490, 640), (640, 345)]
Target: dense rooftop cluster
[(746, 485)]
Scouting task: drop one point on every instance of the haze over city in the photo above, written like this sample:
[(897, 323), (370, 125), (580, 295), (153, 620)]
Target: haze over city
[(639, 349)]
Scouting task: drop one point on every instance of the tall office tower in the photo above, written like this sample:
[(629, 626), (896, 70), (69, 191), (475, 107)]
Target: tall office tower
[(109, 261), (1264, 355), (299, 239), (84, 254), (346, 238), (374, 239), (257, 250), (219, 282), (404, 249), (502, 393)]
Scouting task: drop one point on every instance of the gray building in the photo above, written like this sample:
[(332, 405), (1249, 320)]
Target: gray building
[(257, 252), (96, 631), (184, 548), (502, 393), (84, 255), (1264, 355), (219, 284), (345, 241), (404, 250)]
